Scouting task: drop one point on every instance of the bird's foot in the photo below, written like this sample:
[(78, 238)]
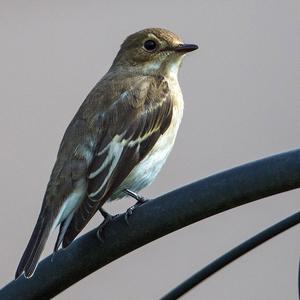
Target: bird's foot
[(107, 219), (140, 201)]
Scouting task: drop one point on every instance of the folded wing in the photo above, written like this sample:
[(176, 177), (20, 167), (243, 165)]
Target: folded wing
[(129, 129)]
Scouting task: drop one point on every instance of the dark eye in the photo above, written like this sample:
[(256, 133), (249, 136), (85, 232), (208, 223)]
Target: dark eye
[(150, 45)]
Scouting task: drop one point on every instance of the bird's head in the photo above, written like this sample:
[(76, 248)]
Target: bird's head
[(152, 51)]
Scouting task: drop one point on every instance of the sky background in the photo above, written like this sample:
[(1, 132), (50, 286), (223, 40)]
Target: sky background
[(241, 91)]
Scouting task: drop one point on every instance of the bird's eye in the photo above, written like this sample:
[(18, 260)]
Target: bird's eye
[(150, 45)]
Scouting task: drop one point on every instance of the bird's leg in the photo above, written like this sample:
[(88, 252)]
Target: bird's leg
[(107, 218), (139, 201)]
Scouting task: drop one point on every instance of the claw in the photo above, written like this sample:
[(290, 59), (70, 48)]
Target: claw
[(140, 200), (107, 219), (128, 214)]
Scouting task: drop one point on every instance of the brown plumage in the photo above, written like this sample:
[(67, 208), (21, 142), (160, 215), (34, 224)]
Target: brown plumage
[(119, 138), (137, 115)]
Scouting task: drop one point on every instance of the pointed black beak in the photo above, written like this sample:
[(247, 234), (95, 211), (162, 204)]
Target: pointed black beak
[(186, 48)]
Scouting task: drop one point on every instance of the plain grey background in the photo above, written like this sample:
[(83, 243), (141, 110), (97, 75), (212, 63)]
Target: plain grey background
[(241, 91)]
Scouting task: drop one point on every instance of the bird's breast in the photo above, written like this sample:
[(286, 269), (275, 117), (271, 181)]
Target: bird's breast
[(145, 172)]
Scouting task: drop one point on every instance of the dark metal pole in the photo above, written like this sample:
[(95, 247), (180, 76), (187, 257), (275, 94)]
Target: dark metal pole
[(232, 255), (157, 218)]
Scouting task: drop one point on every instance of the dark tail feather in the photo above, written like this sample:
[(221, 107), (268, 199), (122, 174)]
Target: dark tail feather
[(36, 245)]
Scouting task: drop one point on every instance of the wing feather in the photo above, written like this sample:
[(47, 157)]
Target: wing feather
[(134, 123)]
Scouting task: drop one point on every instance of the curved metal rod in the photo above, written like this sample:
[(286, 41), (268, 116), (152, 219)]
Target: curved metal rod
[(232, 255), (157, 218)]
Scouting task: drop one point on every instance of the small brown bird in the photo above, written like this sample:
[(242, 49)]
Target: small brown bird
[(118, 140)]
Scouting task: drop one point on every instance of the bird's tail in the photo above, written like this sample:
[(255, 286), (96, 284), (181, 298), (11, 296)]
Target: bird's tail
[(36, 244)]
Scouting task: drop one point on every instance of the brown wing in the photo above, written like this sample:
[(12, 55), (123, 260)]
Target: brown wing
[(129, 130)]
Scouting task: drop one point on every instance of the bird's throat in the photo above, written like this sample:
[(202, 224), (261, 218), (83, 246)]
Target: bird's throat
[(168, 68)]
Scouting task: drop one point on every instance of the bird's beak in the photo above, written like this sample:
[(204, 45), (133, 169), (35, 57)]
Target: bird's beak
[(184, 48)]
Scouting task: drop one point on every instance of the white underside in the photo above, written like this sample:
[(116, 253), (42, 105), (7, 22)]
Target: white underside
[(147, 170)]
